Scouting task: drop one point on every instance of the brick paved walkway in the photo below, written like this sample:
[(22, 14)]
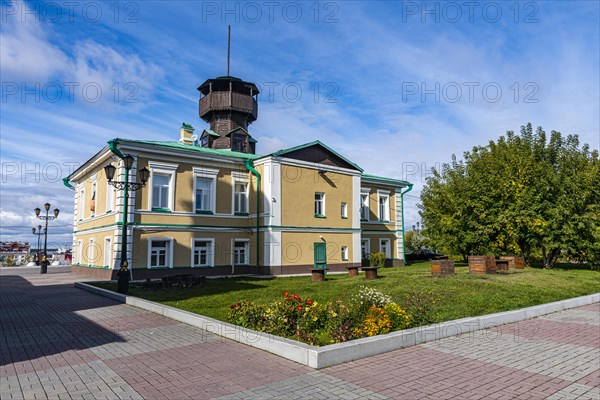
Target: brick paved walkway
[(60, 342)]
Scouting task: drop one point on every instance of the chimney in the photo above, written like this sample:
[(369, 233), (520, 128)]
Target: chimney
[(186, 132)]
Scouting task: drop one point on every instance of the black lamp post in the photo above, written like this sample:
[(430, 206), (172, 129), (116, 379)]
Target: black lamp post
[(123, 274), (37, 249), (46, 218)]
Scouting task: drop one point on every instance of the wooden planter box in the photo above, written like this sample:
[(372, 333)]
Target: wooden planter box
[(442, 267), (519, 263), (318, 274), (370, 272), (482, 265)]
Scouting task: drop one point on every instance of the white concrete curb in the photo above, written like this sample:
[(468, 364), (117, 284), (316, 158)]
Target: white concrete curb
[(321, 357)]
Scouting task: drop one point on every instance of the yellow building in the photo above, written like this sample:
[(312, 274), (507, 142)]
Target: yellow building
[(212, 204)]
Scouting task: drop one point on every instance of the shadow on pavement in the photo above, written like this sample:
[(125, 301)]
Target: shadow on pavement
[(39, 321)]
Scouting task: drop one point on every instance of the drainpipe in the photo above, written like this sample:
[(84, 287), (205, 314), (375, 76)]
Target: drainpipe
[(250, 168), (410, 186), (67, 184)]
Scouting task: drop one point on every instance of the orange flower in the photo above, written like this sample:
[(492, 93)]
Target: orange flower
[(285, 294), (299, 307)]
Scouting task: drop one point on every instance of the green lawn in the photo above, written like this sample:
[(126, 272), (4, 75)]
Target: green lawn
[(462, 295)]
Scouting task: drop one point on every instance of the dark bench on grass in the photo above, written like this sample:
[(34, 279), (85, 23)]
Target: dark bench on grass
[(167, 281), (352, 271), (370, 272)]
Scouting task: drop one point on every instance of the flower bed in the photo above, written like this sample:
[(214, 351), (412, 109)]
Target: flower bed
[(368, 313)]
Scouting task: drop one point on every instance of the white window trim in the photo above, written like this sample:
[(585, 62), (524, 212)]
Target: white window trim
[(211, 174), (169, 259), (368, 240), (344, 253), (323, 209), (344, 209), (365, 192), (79, 254), (238, 177), (380, 194), (91, 252), (81, 211), (388, 253), (108, 262), (233, 242), (110, 197), (165, 169), (210, 256)]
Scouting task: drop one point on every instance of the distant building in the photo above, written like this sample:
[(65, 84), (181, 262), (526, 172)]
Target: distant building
[(213, 204), (14, 247)]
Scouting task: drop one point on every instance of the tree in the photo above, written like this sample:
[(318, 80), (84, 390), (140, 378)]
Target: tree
[(517, 194)]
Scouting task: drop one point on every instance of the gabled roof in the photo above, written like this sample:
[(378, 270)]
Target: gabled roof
[(316, 143), (210, 132), (239, 128)]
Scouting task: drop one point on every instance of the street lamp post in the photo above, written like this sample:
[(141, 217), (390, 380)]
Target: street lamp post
[(37, 249), (126, 186), (46, 218)]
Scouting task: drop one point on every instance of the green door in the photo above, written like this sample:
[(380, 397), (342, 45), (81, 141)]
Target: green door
[(320, 255)]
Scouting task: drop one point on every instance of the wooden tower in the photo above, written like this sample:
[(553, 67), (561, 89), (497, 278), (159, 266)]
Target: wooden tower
[(229, 105)]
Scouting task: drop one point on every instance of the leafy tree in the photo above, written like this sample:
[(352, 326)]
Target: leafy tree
[(517, 194)]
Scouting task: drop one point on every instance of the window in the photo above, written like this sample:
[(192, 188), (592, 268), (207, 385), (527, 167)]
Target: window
[(384, 207), (364, 206), (238, 143), (160, 254), (203, 194), (93, 200), (319, 204), (81, 203), (91, 252), (344, 210), (384, 247), (162, 186), (160, 191), (240, 197), (241, 252), (110, 197), (365, 248), (107, 252), (204, 141), (205, 190), (344, 253), (203, 253)]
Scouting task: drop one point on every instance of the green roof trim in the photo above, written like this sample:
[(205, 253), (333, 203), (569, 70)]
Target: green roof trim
[(211, 132), (187, 126), (384, 179), (194, 149), (314, 143)]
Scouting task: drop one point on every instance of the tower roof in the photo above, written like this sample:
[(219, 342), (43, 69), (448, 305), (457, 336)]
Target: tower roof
[(222, 83)]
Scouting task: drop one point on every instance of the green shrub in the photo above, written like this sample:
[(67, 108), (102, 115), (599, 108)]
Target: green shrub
[(420, 307), (247, 314), (377, 259)]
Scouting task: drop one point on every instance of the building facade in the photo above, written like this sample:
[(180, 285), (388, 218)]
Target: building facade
[(212, 204)]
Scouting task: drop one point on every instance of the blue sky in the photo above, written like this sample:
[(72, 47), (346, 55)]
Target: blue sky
[(396, 86)]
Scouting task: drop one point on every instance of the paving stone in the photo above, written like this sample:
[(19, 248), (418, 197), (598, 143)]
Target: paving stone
[(60, 342)]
